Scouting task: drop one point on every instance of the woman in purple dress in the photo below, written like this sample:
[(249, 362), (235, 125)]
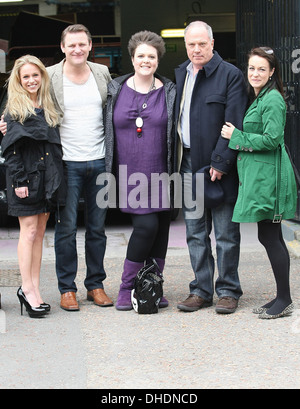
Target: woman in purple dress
[(139, 122)]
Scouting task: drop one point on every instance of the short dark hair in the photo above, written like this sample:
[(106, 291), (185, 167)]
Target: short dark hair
[(75, 28), (149, 38)]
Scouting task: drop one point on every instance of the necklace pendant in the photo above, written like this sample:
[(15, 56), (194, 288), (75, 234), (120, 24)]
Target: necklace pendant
[(139, 122)]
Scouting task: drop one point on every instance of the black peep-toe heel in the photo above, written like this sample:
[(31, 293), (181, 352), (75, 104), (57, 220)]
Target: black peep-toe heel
[(33, 312)]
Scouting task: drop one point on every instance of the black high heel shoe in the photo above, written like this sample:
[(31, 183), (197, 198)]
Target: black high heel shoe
[(47, 307), (33, 312)]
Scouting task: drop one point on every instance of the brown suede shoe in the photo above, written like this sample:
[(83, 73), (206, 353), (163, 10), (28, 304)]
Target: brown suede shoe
[(226, 305), (193, 303), (99, 297), (68, 301)]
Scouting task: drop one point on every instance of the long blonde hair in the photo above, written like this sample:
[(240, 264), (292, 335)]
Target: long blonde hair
[(19, 105)]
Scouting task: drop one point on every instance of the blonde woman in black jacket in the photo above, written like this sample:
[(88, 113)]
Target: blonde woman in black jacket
[(33, 157)]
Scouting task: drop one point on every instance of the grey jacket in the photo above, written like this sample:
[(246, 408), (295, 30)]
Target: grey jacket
[(100, 72), (114, 88)]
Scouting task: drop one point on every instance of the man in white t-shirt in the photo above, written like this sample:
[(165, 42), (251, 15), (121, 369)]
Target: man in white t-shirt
[(79, 89)]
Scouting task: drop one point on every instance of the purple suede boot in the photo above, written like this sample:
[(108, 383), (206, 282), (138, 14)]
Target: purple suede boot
[(131, 269), (161, 264)]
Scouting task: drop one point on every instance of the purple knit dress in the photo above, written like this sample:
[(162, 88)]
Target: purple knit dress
[(141, 161)]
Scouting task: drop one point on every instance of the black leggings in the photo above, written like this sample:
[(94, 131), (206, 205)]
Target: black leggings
[(149, 237), (270, 236)]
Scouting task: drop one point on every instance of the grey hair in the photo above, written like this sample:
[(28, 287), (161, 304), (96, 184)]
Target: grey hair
[(200, 24)]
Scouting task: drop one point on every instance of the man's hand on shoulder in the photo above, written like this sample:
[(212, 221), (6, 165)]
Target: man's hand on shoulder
[(3, 125)]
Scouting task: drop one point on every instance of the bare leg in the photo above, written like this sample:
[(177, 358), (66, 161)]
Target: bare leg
[(37, 252), (32, 229)]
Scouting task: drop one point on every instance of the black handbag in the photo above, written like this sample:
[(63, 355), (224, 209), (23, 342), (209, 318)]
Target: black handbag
[(148, 289)]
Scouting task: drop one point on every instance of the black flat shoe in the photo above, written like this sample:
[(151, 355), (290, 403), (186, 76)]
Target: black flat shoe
[(33, 312)]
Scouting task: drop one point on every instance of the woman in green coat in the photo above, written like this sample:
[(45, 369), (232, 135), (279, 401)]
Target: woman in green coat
[(267, 187)]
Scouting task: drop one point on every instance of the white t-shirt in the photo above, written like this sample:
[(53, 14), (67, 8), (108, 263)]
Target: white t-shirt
[(82, 131)]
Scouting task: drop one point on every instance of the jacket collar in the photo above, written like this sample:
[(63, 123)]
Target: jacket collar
[(57, 80), (260, 96), (209, 68), (212, 65), (263, 92)]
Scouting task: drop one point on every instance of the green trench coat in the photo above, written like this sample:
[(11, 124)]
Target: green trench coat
[(267, 186)]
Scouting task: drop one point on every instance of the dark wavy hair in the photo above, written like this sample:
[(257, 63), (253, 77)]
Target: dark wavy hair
[(275, 81), (149, 38)]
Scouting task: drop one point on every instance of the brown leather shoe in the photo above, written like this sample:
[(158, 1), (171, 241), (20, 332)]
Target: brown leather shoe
[(68, 301), (226, 305), (99, 297), (193, 303)]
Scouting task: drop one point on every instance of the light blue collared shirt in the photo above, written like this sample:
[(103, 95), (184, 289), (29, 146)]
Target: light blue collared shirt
[(185, 114)]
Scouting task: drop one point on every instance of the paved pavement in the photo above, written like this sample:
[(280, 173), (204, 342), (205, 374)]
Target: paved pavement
[(102, 348)]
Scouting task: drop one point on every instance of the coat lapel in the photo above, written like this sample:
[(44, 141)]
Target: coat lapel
[(57, 85), (101, 83), (180, 74)]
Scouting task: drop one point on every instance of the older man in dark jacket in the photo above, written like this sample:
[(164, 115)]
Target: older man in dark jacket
[(210, 92)]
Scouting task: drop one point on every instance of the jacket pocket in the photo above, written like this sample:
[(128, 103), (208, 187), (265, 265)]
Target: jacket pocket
[(265, 157), (219, 99), (255, 127), (35, 183)]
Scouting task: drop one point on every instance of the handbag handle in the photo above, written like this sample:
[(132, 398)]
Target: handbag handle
[(156, 265)]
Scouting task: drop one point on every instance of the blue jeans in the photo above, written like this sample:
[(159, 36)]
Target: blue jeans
[(81, 179), (227, 236)]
